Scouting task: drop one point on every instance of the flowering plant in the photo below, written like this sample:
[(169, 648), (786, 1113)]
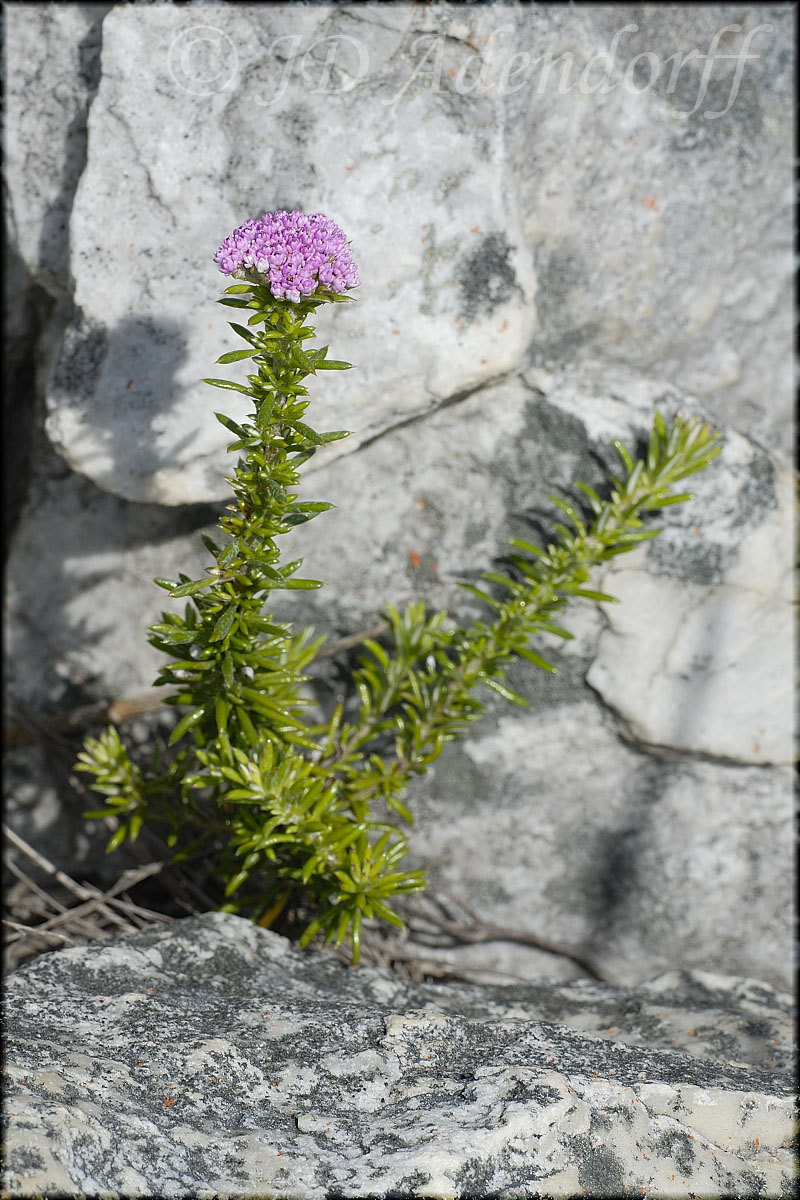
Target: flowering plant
[(298, 811)]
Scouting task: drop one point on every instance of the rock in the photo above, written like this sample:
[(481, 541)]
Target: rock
[(652, 215), (545, 821), (435, 229), (436, 138), (52, 75), (17, 379), (713, 607), (212, 1058), (727, 634), (627, 251), (652, 846)]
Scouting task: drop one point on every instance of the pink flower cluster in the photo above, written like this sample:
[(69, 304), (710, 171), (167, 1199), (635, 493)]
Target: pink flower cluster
[(294, 251)]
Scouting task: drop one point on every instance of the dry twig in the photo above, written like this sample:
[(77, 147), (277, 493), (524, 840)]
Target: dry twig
[(477, 930), (97, 916)]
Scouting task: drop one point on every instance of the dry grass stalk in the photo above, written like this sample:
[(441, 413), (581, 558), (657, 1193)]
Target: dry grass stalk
[(97, 915)]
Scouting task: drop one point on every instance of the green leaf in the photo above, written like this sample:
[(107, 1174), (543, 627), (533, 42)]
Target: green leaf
[(263, 625), (387, 914), (227, 672), (230, 385), (189, 589), (570, 511), (588, 594), (536, 659), (237, 881), (528, 547), (307, 432), (173, 636), (595, 503), (633, 536), (317, 925), (116, 839), (248, 335), (291, 567), (222, 712), (189, 721), (635, 476), (666, 501), (548, 626), (311, 507), (236, 356), (247, 725), (503, 580), (224, 623), (378, 651), (332, 364), (300, 584), (400, 808), (484, 596), (229, 423), (506, 692)]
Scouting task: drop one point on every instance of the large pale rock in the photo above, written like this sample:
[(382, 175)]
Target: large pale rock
[(712, 610), (211, 1058), (547, 822), (52, 67), (730, 634), (50, 71), (654, 195), (437, 138), (448, 281)]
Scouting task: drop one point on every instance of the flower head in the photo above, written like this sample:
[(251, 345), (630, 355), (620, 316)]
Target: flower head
[(296, 253)]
